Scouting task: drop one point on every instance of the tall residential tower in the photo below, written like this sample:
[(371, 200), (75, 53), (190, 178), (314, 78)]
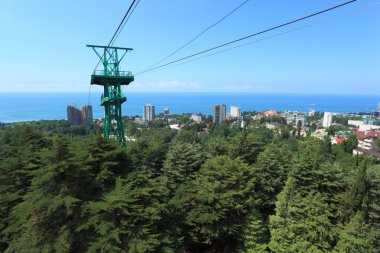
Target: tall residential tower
[(327, 119), (219, 113), (149, 112)]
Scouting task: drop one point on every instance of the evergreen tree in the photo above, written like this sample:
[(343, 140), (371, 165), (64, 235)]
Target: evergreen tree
[(359, 189), (271, 171), (301, 224), (255, 234), (373, 206), (246, 145), (216, 146), (102, 161), (127, 219), (350, 143), (149, 151), (47, 217), (20, 155), (216, 202), (304, 216), (182, 162), (354, 237)]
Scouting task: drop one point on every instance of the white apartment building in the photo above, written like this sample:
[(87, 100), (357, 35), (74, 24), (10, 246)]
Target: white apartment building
[(196, 117), (362, 126), (327, 119), (235, 111), (293, 117)]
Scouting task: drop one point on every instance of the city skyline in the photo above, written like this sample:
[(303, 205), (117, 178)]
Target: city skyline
[(310, 60)]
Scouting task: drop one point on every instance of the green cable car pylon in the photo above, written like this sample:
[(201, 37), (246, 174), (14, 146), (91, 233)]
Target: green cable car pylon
[(112, 78)]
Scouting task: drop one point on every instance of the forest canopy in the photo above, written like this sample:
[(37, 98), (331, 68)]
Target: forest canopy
[(228, 190)]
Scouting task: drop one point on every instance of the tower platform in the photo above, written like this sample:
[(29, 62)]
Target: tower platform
[(101, 77)]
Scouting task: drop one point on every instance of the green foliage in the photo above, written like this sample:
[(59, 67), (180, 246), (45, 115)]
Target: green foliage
[(313, 127), (246, 145), (225, 190), (376, 145), (373, 206), (255, 234), (301, 224), (186, 136), (128, 218), (48, 215), (149, 151), (215, 203), (19, 158), (182, 162), (350, 143), (354, 237), (271, 171)]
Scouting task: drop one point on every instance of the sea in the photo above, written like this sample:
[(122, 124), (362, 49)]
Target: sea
[(16, 107)]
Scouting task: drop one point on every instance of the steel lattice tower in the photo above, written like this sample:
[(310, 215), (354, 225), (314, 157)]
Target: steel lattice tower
[(112, 78)]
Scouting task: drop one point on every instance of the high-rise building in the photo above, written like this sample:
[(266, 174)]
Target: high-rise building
[(327, 119), (149, 112), (219, 113), (378, 107), (166, 111), (87, 114), (74, 115), (235, 111)]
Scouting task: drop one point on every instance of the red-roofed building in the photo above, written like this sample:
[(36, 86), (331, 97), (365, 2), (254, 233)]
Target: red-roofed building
[(340, 140), (269, 113), (366, 138)]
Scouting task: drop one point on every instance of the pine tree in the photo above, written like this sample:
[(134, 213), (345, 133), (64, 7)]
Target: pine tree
[(271, 171), (127, 219), (182, 162), (216, 203), (304, 215), (255, 234), (47, 217), (301, 224), (20, 152), (246, 145), (373, 206), (354, 237), (103, 161)]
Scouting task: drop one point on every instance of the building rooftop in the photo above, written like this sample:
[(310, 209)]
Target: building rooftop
[(361, 135), (340, 140), (269, 113)]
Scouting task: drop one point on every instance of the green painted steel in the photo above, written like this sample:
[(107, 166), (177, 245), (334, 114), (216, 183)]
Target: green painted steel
[(112, 78)]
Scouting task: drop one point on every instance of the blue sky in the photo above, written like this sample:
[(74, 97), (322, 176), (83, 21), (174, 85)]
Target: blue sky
[(43, 49)]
